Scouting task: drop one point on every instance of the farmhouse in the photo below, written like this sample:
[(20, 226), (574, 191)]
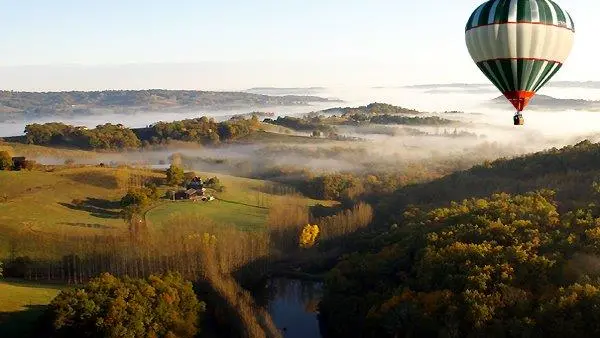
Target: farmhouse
[(193, 191), (191, 194), (195, 183)]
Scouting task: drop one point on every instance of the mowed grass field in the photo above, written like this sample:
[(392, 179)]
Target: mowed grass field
[(21, 304), (74, 201), (44, 201), (242, 204)]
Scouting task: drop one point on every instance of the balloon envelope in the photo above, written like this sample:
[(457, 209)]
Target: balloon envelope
[(519, 44)]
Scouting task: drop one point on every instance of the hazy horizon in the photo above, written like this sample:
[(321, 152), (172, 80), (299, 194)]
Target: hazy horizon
[(235, 45)]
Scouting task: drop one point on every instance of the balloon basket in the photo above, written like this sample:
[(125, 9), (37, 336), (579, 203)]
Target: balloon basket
[(518, 120)]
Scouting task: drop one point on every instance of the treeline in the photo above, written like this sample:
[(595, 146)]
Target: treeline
[(503, 266), (349, 187), (105, 137), (570, 171), (403, 120), (302, 124), (117, 137), (375, 113), (201, 130), (374, 108)]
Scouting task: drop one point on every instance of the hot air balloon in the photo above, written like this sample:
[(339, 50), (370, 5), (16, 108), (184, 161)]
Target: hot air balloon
[(519, 45)]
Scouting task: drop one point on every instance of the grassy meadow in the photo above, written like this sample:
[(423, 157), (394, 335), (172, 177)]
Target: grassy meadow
[(243, 204), (21, 303), (85, 201)]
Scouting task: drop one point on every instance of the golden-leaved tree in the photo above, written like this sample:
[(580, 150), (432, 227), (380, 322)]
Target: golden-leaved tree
[(308, 236)]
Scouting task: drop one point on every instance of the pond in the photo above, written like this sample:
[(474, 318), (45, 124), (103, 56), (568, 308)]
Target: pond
[(293, 306)]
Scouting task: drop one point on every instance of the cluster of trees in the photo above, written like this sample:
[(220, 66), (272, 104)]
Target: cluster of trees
[(374, 108), (159, 306), (175, 175), (376, 113), (302, 124), (201, 130), (6, 162), (133, 204), (140, 196), (103, 137), (214, 183), (335, 186), (570, 171), (117, 137), (350, 186), (400, 119)]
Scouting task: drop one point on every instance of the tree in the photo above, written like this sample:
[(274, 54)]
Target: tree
[(160, 306), (175, 175), (6, 162), (308, 236)]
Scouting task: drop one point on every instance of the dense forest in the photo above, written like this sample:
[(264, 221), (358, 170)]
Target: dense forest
[(489, 264)]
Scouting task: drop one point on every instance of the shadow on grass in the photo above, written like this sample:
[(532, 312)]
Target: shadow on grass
[(96, 178), (88, 225), (100, 208), (240, 203), (21, 324)]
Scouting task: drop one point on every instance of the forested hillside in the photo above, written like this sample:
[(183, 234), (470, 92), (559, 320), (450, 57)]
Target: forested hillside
[(45, 103), (523, 264), (569, 170)]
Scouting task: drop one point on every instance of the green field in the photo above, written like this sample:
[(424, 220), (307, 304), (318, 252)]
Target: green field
[(74, 201), (85, 201), (21, 303), (242, 204), (44, 201)]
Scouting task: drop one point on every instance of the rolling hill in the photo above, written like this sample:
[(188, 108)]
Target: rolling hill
[(570, 171), (80, 102), (549, 103)]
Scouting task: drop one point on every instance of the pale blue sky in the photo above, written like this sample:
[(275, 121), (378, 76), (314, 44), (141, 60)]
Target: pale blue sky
[(236, 44)]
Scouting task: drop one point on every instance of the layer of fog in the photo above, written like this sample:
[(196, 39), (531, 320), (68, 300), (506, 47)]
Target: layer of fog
[(479, 133), (16, 125)]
